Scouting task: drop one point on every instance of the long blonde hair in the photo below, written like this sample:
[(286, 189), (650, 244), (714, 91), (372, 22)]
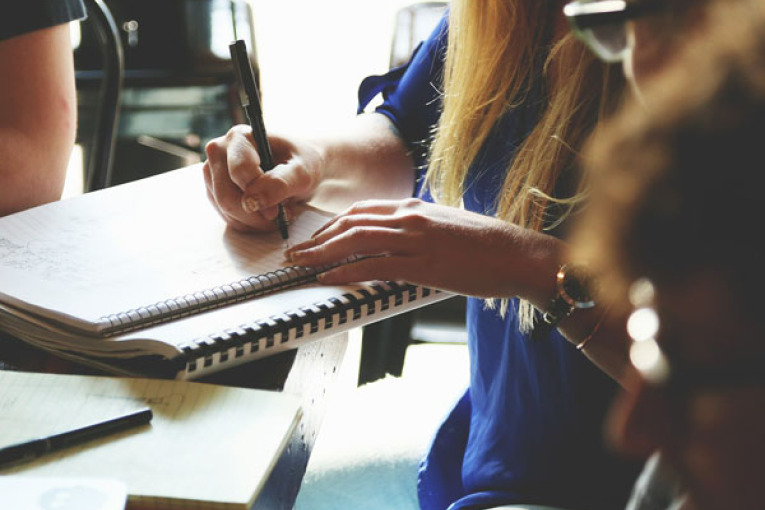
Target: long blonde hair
[(494, 53)]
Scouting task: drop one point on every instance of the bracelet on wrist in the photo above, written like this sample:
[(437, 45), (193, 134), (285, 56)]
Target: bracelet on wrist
[(583, 342)]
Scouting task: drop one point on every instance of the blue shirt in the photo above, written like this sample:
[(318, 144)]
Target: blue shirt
[(529, 428), (31, 15)]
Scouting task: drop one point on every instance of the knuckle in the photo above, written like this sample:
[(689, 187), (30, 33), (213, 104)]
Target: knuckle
[(213, 148), (413, 219), (267, 191), (241, 173), (235, 132), (303, 176), (346, 223), (317, 252), (362, 206), (360, 234), (279, 183)]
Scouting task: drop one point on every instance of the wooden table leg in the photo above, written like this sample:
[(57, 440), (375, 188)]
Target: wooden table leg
[(313, 375)]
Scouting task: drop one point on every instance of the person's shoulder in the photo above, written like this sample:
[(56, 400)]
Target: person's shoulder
[(31, 15)]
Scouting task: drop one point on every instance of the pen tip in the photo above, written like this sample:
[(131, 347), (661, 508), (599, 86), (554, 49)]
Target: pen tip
[(282, 223)]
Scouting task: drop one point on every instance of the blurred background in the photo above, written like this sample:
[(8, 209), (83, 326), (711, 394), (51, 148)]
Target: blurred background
[(177, 88)]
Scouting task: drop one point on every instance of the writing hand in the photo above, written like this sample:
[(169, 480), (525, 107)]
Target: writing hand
[(243, 194)]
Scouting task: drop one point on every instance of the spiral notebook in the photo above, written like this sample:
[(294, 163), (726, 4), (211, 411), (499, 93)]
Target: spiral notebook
[(207, 445), (146, 279)]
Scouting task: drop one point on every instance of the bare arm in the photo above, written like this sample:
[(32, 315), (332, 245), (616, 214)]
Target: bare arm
[(369, 161), (462, 252), (607, 344), (38, 117), (366, 160)]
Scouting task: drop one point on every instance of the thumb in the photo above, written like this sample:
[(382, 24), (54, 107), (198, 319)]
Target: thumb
[(289, 181)]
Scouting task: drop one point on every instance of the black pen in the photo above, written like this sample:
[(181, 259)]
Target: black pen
[(250, 99), (29, 450)]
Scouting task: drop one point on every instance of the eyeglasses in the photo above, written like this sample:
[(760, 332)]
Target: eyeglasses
[(602, 24), (643, 326), (651, 362)]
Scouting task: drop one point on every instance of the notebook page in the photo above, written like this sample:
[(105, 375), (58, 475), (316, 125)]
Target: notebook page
[(129, 247), (205, 444)]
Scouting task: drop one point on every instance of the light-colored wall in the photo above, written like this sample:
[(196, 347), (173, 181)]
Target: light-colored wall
[(313, 54)]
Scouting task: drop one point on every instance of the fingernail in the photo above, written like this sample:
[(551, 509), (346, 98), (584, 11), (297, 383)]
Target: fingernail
[(289, 214), (250, 204)]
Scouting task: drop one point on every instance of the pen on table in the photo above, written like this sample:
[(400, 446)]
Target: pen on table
[(250, 99), (34, 448)]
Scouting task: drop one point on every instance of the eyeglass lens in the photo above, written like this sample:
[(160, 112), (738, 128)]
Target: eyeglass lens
[(609, 42)]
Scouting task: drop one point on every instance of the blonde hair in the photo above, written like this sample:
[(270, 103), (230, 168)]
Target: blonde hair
[(494, 55)]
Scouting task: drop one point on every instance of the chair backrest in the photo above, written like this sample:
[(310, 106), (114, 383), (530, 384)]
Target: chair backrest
[(98, 157), (177, 85), (413, 24)]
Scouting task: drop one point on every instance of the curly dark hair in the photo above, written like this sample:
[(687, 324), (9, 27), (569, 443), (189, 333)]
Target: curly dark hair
[(677, 180)]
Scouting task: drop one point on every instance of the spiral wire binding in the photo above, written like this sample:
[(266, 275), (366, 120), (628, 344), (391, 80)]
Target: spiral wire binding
[(278, 329), (215, 297)]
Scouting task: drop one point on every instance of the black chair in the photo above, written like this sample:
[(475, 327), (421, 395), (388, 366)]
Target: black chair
[(99, 149), (177, 82)]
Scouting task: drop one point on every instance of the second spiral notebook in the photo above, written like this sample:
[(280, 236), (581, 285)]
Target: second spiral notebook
[(146, 279)]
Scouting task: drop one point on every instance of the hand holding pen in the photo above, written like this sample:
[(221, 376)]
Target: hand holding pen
[(251, 103)]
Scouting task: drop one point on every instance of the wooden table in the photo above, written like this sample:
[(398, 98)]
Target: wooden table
[(308, 371)]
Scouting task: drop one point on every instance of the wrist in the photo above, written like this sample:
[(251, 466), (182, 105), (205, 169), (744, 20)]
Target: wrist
[(582, 342), (534, 274), (573, 285)]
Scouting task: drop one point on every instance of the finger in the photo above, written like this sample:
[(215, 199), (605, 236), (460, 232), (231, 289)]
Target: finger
[(271, 213), (228, 197), (380, 207), (222, 191), (264, 194), (374, 268), (208, 181), (367, 241), (217, 178), (298, 247), (336, 226), (227, 200), (343, 224), (349, 217), (287, 181), (242, 157)]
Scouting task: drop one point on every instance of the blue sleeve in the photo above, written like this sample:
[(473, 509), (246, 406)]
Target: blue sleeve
[(412, 93), (32, 15)]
